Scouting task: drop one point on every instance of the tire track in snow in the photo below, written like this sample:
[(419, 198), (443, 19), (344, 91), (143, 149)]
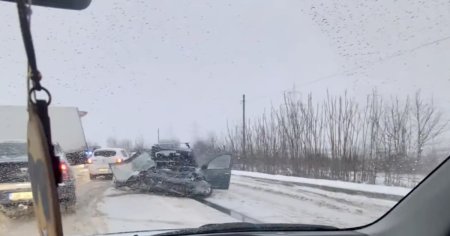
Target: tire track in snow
[(385, 196), (270, 202), (352, 203), (339, 201)]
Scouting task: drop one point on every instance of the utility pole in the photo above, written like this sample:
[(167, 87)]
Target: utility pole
[(243, 127), (158, 135)]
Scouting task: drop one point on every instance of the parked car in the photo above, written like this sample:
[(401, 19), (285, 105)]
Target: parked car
[(98, 163), (81, 157), (15, 187)]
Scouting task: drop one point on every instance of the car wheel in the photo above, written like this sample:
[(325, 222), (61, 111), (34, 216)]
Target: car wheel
[(8, 213), (68, 207), (205, 192), (11, 212), (209, 192), (118, 185), (73, 199)]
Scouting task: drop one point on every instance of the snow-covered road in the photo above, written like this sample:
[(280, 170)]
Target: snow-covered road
[(86, 220), (270, 201), (103, 209)]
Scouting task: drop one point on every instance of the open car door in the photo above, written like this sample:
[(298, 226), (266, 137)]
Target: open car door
[(218, 171)]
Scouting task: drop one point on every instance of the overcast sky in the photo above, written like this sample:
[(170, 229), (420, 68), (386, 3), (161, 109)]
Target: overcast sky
[(182, 66)]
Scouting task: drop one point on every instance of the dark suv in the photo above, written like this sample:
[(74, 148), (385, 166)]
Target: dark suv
[(15, 187)]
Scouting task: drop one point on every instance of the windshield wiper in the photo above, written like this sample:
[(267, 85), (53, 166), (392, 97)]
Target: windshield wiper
[(247, 227)]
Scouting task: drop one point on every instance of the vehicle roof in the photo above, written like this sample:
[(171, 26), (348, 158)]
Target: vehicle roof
[(13, 141), (24, 158)]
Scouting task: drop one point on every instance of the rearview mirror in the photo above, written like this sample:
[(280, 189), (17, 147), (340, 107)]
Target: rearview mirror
[(204, 167), (63, 4)]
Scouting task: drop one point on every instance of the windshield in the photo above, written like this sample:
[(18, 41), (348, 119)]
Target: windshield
[(323, 112), (104, 153)]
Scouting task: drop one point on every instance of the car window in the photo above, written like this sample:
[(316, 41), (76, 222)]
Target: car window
[(104, 153), (168, 146), (221, 162)]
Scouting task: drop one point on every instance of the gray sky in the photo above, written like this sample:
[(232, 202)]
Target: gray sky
[(182, 66)]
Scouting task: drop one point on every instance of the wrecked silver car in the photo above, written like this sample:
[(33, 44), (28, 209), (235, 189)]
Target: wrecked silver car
[(172, 171)]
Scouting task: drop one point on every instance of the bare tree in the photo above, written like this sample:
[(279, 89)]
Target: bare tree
[(112, 142), (339, 138), (139, 144), (123, 143), (90, 143), (370, 141), (396, 139), (428, 124)]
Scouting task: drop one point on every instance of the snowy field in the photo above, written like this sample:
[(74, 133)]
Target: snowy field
[(262, 198)]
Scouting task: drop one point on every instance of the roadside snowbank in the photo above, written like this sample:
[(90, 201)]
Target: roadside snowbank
[(370, 188)]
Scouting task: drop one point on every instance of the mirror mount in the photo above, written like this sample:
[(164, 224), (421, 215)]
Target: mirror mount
[(62, 4)]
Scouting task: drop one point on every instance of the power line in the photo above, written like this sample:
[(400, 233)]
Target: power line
[(356, 69)]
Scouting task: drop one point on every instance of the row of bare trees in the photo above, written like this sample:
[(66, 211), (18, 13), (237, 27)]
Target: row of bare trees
[(342, 138), (131, 146)]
